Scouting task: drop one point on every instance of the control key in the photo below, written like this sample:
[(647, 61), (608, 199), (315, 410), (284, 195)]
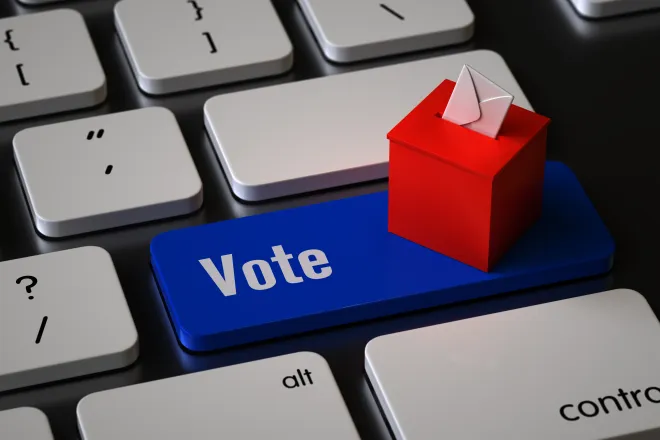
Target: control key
[(585, 368)]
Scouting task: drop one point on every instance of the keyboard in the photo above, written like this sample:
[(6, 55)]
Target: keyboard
[(194, 216)]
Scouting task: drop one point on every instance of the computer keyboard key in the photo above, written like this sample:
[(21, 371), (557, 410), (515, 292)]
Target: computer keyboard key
[(585, 368), (175, 45), (107, 171), (349, 30), (24, 424), (37, 2), (326, 132), (48, 64), (292, 397), (608, 8), (62, 315), (333, 263)]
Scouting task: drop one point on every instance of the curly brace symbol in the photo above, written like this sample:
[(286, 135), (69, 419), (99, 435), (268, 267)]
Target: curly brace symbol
[(198, 10), (9, 41)]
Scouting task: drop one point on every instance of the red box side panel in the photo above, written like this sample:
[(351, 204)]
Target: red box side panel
[(517, 196), (439, 206)]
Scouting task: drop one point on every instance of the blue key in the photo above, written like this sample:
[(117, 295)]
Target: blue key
[(301, 269)]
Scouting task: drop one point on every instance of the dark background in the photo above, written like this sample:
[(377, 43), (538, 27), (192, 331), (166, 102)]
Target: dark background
[(596, 80)]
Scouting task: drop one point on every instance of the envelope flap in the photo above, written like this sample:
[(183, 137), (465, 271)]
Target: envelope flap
[(477, 103), (485, 88), (463, 106)]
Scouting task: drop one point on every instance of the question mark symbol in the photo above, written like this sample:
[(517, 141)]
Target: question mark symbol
[(28, 288)]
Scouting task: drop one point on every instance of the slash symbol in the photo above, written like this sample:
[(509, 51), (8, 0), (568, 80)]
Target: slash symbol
[(41, 329), (392, 11)]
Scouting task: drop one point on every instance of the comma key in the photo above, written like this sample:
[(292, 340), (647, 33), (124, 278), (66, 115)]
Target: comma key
[(292, 397), (102, 172), (585, 368)]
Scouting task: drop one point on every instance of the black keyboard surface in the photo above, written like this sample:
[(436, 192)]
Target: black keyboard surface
[(596, 80)]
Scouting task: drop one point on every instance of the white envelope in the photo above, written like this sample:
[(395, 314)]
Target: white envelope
[(477, 103)]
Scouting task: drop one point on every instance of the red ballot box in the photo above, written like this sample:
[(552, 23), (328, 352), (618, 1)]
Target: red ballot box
[(459, 192)]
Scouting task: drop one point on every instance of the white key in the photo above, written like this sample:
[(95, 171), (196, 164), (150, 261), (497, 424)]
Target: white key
[(292, 397), (48, 64), (585, 368), (316, 134), (37, 2), (62, 315), (175, 45), (608, 8), (24, 424), (107, 171), (350, 30)]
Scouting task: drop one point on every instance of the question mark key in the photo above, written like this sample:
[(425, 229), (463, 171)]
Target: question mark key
[(63, 315), (29, 281)]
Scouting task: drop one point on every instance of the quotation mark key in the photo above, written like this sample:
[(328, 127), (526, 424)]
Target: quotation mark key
[(99, 134)]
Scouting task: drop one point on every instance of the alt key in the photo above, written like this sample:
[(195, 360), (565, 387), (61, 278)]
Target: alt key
[(290, 397)]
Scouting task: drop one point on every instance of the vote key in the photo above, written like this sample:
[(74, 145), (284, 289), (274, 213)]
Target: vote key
[(297, 270)]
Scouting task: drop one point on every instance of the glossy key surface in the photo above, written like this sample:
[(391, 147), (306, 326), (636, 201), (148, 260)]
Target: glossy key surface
[(48, 64), (297, 270), (292, 397), (176, 45), (24, 423), (107, 171), (585, 368), (326, 132), (349, 30), (62, 315), (610, 8)]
